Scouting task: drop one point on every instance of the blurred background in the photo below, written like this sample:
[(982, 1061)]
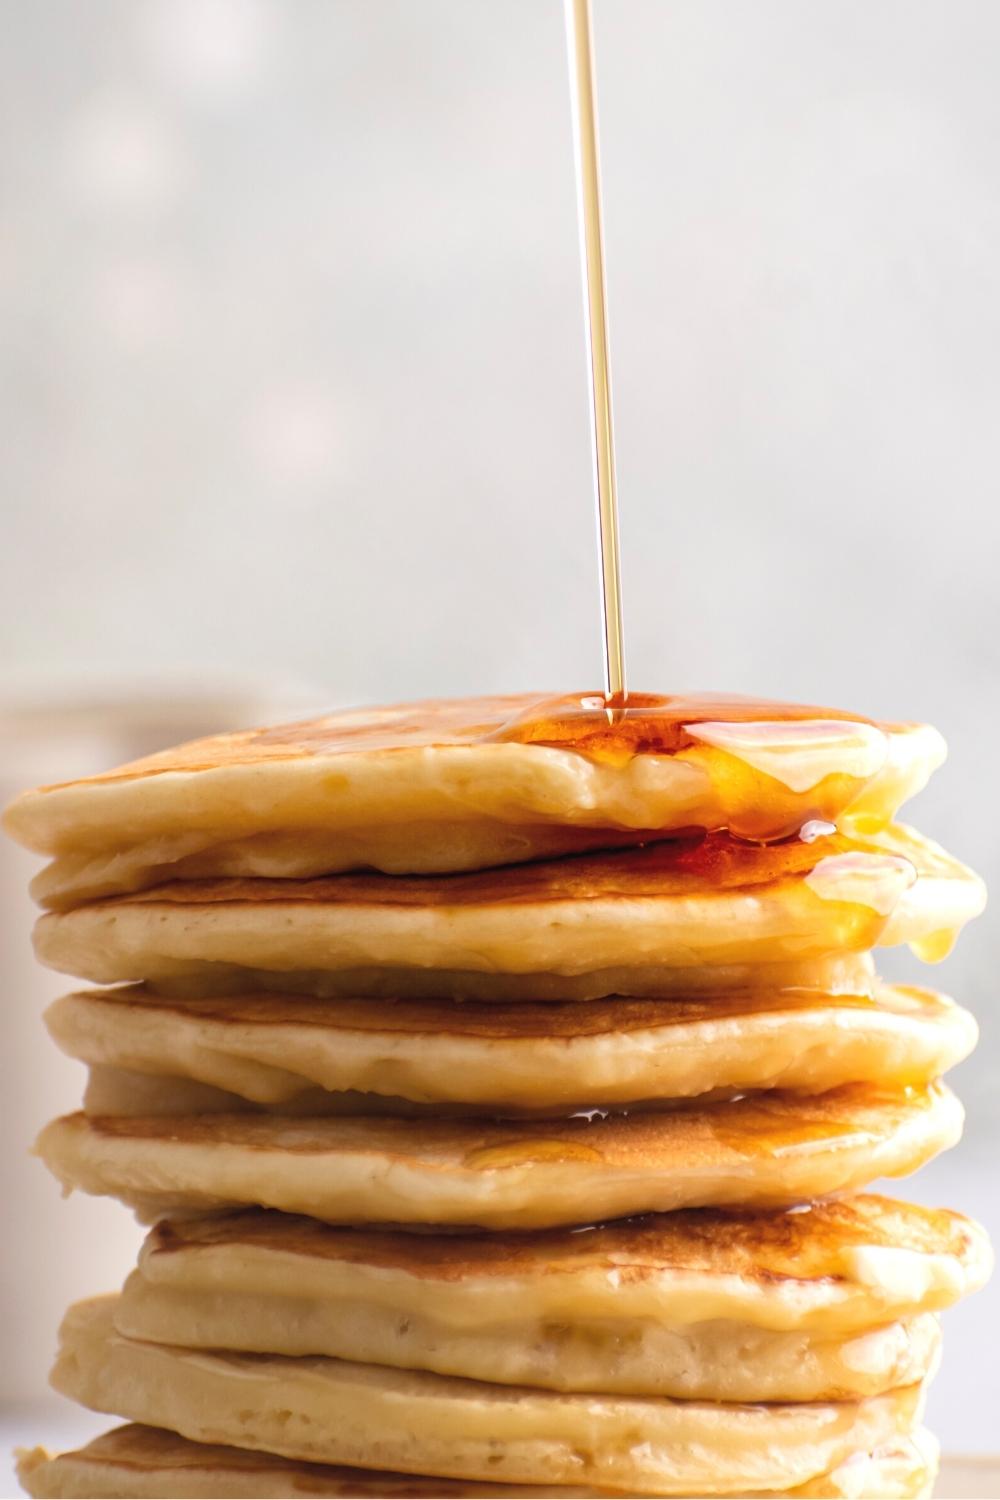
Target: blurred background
[(294, 415)]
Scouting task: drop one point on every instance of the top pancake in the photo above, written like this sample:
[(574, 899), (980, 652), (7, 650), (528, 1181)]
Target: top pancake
[(465, 784)]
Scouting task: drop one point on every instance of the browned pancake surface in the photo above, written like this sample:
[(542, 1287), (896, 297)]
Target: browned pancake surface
[(144, 1450), (654, 723), (497, 1021), (765, 1245), (765, 1125), (687, 866)]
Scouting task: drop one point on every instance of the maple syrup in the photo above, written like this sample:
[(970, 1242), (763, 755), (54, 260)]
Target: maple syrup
[(529, 1152), (682, 866), (662, 724), (583, 96), (774, 767)]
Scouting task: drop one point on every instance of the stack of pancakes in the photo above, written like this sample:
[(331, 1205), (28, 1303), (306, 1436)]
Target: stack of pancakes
[(499, 1078)]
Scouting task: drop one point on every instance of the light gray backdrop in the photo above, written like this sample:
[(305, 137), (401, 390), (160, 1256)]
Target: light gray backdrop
[(293, 384)]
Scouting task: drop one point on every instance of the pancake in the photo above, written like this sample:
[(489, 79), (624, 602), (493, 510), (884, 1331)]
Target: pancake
[(146, 1463), (717, 1361), (303, 1054), (835, 1268), (709, 1361), (840, 973), (703, 900), (827, 1303), (342, 1412), (767, 1151), (119, 1091), (131, 1462), (464, 784)]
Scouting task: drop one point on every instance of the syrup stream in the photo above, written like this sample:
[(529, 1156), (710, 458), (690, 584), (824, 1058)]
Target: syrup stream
[(583, 95)]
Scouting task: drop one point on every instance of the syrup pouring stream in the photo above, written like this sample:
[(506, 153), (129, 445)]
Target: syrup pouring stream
[(583, 95)]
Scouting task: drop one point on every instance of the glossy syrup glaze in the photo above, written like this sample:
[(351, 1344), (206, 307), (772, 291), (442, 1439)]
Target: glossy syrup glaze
[(660, 763), (657, 723), (590, 722)]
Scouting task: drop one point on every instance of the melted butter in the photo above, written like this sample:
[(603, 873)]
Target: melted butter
[(523, 1153), (858, 880), (800, 755)]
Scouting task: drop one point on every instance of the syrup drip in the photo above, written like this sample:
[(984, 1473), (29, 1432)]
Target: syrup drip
[(776, 768), (526, 1152)]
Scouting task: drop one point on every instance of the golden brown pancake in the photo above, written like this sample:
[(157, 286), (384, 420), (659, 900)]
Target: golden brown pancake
[(343, 1412), (151, 1464), (706, 900), (715, 1361), (768, 1151), (841, 1266), (694, 1310), (465, 784), (828, 1302), (840, 973), (307, 1055)]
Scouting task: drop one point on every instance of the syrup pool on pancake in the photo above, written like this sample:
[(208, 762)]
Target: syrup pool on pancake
[(464, 784)]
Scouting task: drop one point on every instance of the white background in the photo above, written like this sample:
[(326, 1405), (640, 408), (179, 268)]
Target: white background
[(293, 383)]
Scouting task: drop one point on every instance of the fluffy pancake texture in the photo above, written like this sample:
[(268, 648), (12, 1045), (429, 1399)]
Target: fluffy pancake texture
[(134, 1462), (711, 1360), (838, 1267), (768, 1150), (342, 1412), (304, 1054), (464, 784), (500, 1077), (824, 1303), (704, 900), (716, 1361), (146, 1463)]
